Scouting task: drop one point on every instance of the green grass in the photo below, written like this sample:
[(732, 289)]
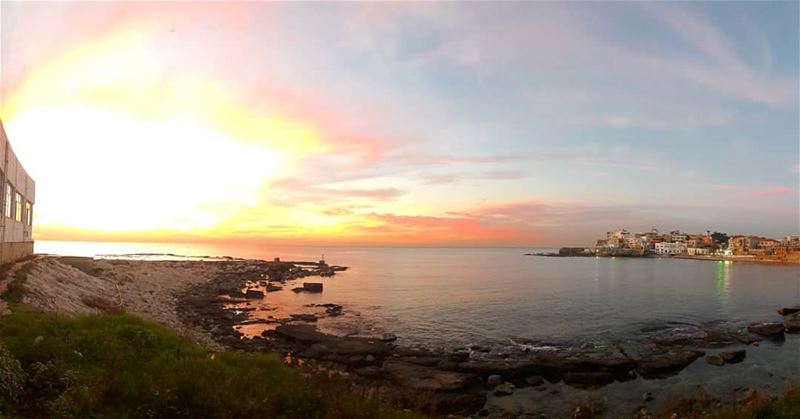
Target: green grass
[(121, 366)]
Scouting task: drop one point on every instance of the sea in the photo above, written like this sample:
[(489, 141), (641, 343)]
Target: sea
[(503, 299)]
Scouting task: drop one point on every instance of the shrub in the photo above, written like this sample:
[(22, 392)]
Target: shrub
[(12, 378)]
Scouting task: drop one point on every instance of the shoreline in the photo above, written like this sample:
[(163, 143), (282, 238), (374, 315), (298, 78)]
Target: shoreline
[(733, 259), (206, 300)]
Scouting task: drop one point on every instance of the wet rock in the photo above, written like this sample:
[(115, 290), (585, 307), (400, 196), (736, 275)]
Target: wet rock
[(458, 356), (715, 360), (369, 358), (700, 337), (270, 287), (656, 362), (733, 357), (770, 330), (351, 346), (388, 337), (588, 379), (333, 310), (647, 397), (312, 286), (792, 323), (554, 364), (506, 368), (301, 333), (504, 389), (789, 310), (534, 380), (426, 379), (370, 371), (425, 361), (304, 317), (494, 380)]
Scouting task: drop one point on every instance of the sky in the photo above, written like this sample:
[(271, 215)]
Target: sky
[(467, 124)]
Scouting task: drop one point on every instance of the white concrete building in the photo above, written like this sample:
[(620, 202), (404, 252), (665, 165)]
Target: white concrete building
[(16, 203), (670, 248), (698, 251)]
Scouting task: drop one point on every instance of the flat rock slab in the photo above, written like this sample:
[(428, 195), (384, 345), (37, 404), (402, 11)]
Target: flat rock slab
[(656, 362), (700, 337), (584, 360), (766, 329), (505, 368), (730, 357), (301, 333), (351, 346), (789, 310), (792, 323), (427, 379)]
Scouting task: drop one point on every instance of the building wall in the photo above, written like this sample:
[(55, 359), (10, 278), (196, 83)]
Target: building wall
[(16, 237)]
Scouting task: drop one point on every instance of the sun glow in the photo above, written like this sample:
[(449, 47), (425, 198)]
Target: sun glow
[(119, 142)]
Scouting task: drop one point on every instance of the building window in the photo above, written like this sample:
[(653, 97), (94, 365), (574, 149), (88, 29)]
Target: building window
[(18, 207), (29, 213), (7, 201)]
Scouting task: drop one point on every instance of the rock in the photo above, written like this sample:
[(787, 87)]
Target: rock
[(647, 397), (298, 289), (333, 310), (770, 330), (370, 358), (458, 356), (304, 317), (655, 362), (503, 389), (506, 368), (425, 361), (312, 286), (696, 336), (270, 287), (426, 379), (38, 340), (534, 380), (733, 357), (588, 379), (301, 333), (494, 380), (792, 323), (351, 346), (715, 360), (389, 337), (789, 310), (368, 371)]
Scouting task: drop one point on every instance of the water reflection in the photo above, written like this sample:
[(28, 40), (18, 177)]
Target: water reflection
[(723, 279)]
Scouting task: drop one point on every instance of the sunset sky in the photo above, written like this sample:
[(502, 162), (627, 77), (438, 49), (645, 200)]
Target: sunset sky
[(403, 124)]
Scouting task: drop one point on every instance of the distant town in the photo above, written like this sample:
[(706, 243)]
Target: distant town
[(712, 246)]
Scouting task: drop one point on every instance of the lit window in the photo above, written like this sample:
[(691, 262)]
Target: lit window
[(7, 202), (18, 207), (29, 213)]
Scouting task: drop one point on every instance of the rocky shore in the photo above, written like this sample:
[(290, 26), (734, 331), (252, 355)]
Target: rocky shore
[(211, 301), (458, 381)]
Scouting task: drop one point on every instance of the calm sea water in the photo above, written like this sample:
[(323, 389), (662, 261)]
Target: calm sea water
[(460, 296)]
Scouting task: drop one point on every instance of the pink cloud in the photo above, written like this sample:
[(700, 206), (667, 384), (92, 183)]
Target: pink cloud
[(773, 192)]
